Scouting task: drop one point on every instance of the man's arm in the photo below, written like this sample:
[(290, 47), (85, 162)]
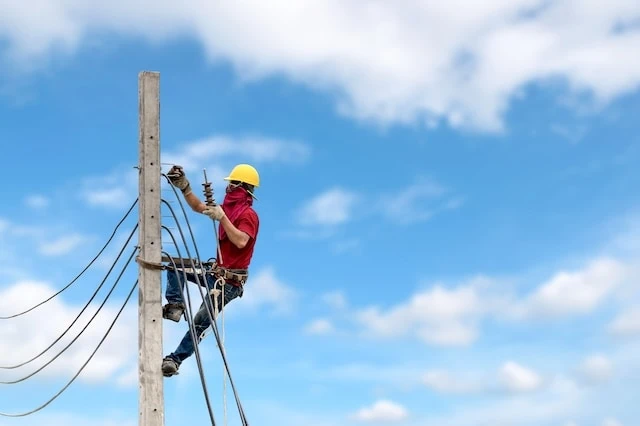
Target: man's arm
[(194, 202), (237, 237), (178, 179)]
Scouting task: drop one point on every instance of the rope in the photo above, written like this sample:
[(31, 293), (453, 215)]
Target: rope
[(81, 368), (223, 284), (80, 274), (150, 265), (224, 373), (220, 282)]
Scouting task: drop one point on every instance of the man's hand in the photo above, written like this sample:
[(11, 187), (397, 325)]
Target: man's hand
[(214, 212), (179, 179)]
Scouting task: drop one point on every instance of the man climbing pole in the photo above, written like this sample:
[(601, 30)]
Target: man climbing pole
[(238, 230)]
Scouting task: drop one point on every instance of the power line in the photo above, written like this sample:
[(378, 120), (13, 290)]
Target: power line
[(209, 313), (80, 274), (81, 368), (192, 332), (206, 300), (81, 331), (11, 367)]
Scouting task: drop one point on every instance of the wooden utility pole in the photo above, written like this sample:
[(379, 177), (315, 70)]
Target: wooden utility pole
[(151, 398)]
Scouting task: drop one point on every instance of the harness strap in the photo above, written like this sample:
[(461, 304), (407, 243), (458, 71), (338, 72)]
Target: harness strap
[(149, 265), (235, 276)]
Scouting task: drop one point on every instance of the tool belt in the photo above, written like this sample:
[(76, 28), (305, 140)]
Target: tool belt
[(236, 277), (232, 276)]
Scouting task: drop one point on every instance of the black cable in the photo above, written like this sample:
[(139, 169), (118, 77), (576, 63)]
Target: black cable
[(192, 331), (81, 331), (80, 274), (209, 313), (211, 316), (11, 367), (81, 368)]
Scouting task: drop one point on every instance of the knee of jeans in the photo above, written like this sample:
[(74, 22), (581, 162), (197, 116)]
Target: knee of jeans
[(200, 326), (233, 292), (202, 318), (172, 277)]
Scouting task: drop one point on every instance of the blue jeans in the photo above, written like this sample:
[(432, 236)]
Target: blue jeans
[(201, 321)]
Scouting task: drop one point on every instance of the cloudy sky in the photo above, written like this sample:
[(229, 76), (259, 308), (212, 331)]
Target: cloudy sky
[(449, 208)]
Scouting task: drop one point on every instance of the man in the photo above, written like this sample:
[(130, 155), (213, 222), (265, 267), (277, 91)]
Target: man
[(238, 230)]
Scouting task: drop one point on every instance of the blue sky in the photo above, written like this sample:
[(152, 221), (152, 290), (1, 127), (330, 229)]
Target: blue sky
[(449, 214)]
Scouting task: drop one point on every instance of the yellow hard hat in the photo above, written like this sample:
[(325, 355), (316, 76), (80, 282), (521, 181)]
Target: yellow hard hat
[(245, 173)]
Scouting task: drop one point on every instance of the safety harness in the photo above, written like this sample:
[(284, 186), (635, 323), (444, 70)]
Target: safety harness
[(237, 277)]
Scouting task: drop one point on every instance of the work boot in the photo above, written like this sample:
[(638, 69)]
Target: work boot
[(169, 367), (173, 311)]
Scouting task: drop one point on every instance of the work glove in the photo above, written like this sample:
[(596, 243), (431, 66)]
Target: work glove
[(179, 179), (214, 212)]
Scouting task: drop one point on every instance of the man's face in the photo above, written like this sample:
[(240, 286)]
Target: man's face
[(233, 185)]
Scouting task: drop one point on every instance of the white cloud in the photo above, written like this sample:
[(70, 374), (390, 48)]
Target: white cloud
[(627, 323), (382, 411), (4, 224), (389, 62), (11, 260), (111, 197), (46, 323), (452, 333), (196, 154), (277, 412), (416, 203), (335, 206), (310, 234), (341, 247), (518, 378), (37, 201), (444, 382), (510, 378), (265, 290), (335, 299), (62, 245), (129, 378), (332, 207), (398, 375), (319, 326), (554, 405), (438, 315), (25, 230), (216, 154), (576, 292), (116, 189), (573, 134), (452, 314), (611, 422), (596, 368), (53, 418), (483, 397)]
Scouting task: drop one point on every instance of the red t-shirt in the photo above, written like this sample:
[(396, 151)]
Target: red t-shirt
[(232, 256)]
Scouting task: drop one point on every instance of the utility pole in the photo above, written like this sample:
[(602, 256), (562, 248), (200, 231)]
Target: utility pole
[(151, 398)]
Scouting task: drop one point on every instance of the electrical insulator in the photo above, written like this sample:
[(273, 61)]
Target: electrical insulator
[(208, 191)]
